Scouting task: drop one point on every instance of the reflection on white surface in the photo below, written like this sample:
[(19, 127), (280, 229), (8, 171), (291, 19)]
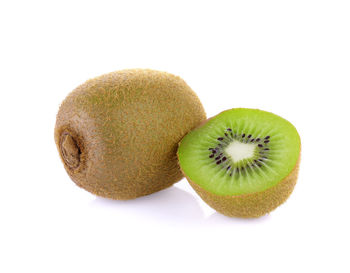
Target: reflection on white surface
[(172, 206), (219, 218)]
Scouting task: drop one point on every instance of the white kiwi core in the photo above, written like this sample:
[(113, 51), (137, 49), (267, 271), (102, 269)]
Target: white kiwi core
[(239, 151)]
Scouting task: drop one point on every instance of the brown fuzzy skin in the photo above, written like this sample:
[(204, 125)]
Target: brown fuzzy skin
[(117, 134), (250, 205)]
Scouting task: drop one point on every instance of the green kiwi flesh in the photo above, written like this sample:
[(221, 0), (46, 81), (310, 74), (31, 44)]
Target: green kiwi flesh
[(242, 162), (117, 134)]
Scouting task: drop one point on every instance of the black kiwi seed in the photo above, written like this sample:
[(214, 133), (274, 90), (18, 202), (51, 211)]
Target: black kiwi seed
[(243, 135), (211, 156), (260, 145), (224, 159), (257, 140), (252, 140), (249, 136), (267, 137), (266, 141), (218, 162), (229, 129), (220, 138)]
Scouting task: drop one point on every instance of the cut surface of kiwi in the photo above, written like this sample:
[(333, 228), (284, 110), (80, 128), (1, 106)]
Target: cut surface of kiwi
[(239, 154)]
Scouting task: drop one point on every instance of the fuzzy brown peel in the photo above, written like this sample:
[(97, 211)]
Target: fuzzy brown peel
[(117, 134)]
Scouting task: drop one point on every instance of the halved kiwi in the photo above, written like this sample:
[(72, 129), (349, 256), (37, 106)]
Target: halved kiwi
[(242, 162)]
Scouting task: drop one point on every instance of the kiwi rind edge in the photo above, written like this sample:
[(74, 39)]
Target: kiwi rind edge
[(251, 205)]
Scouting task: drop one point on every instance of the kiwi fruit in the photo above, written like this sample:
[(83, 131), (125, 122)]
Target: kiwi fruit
[(117, 134), (242, 162)]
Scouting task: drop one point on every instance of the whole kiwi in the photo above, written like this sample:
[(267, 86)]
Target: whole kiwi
[(117, 134)]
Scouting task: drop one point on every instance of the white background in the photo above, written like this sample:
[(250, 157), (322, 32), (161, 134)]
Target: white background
[(288, 57)]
